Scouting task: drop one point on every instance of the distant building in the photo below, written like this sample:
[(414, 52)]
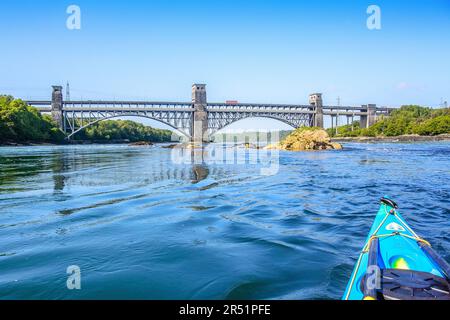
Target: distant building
[(232, 102)]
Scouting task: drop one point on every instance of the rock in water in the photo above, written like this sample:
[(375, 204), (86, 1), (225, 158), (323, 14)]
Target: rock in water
[(141, 144), (336, 146), (305, 139)]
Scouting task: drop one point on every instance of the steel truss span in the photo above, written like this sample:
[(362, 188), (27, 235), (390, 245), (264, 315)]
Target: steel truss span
[(198, 119), (219, 120), (78, 115), (75, 121)]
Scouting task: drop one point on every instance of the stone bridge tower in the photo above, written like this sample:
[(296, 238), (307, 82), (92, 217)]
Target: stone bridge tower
[(371, 118), (200, 125), (315, 100), (57, 106)]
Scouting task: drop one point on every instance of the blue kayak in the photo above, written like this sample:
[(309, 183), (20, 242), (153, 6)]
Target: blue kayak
[(396, 264)]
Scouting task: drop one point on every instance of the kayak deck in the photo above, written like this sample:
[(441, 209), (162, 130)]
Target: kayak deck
[(398, 247)]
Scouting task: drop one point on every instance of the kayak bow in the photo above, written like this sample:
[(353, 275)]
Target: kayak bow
[(396, 264)]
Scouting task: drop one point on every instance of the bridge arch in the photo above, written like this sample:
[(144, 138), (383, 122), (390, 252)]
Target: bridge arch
[(254, 117), (293, 123), (177, 130)]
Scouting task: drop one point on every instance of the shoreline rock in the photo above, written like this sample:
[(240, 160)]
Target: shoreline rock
[(28, 144), (404, 138), (187, 146), (141, 144)]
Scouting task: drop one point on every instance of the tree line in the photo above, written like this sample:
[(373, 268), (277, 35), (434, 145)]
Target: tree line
[(411, 119), (21, 123), (123, 130)]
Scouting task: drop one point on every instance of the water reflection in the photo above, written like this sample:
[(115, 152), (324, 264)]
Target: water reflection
[(200, 172), (78, 167), (16, 170), (59, 167)]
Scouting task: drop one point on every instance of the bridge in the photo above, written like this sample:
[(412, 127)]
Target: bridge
[(198, 119)]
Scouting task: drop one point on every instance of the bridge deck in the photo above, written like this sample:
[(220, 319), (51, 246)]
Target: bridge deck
[(256, 110), (138, 106)]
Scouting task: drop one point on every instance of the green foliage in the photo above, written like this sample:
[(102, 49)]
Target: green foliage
[(406, 120), (434, 126), (350, 130), (123, 130), (22, 123)]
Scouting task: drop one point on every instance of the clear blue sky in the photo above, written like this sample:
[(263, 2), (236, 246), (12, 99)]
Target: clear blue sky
[(251, 51)]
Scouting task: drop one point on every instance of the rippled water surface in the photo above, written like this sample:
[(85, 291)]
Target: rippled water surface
[(142, 226)]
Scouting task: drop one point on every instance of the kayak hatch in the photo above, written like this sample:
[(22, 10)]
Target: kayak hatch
[(396, 264)]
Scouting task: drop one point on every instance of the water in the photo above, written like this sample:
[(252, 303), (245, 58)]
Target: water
[(141, 226)]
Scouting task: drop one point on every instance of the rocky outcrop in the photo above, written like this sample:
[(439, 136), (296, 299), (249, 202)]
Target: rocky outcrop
[(306, 139), (141, 144)]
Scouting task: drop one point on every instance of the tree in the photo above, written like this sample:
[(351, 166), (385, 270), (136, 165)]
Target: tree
[(434, 126), (22, 123), (410, 119), (123, 130)]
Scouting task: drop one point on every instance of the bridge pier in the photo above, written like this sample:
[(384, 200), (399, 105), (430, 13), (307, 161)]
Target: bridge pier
[(372, 114), (315, 100), (57, 106), (371, 118), (200, 118)]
